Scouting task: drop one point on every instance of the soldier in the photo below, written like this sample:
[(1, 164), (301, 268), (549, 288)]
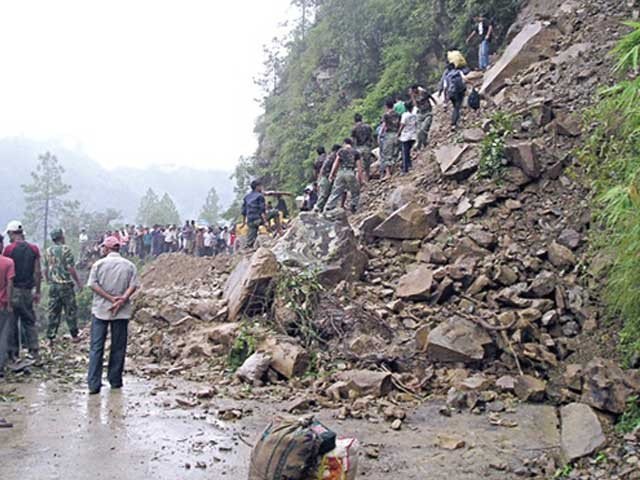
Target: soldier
[(347, 176), (60, 273), (324, 184), (423, 100), (362, 135), (26, 290), (390, 127), (254, 212)]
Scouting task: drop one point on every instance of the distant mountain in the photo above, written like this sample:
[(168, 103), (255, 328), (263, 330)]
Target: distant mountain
[(97, 188)]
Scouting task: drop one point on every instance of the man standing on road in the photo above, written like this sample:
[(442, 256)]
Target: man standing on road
[(254, 212), (61, 274), (113, 280), (26, 290), (7, 274)]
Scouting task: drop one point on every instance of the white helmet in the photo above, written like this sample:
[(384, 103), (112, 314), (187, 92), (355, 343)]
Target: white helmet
[(14, 226)]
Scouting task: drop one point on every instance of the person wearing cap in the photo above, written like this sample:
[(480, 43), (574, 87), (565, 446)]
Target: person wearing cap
[(254, 210), (113, 280), (26, 290), (60, 274)]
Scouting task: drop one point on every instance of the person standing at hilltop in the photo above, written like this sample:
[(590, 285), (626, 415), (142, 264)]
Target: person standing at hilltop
[(407, 134), (26, 290), (347, 176), (187, 236), (390, 127), (60, 273), (113, 280), (254, 210), (362, 135), (484, 30)]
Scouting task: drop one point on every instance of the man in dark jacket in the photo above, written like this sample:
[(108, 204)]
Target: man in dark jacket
[(254, 210)]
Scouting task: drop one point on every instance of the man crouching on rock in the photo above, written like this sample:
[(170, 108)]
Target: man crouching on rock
[(113, 280)]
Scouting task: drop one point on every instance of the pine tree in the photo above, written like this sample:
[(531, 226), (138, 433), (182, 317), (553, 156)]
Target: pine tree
[(167, 213), (147, 207), (157, 211), (211, 208), (44, 196)]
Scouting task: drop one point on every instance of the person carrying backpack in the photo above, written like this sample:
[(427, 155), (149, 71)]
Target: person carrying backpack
[(456, 89)]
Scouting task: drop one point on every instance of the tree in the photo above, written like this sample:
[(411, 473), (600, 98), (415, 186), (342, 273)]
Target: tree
[(147, 207), (211, 208), (167, 213), (44, 196)]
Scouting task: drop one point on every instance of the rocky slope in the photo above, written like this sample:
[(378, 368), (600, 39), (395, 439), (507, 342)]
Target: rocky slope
[(475, 289)]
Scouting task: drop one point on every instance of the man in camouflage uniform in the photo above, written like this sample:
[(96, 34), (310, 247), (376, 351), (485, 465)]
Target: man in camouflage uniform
[(390, 146), (324, 184), (362, 135), (422, 99), (254, 212), (60, 274), (346, 175)]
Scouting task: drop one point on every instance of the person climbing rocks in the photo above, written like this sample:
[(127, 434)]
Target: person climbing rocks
[(362, 135), (390, 127), (7, 274), (456, 90), (424, 102), (484, 30), (317, 164), (407, 134), (324, 184), (347, 176), (60, 273), (26, 291), (114, 280), (254, 212)]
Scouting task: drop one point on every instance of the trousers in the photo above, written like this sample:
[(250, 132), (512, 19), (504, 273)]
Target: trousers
[(119, 332)]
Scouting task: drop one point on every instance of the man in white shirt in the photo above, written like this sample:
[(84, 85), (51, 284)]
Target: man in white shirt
[(209, 241), (408, 134)]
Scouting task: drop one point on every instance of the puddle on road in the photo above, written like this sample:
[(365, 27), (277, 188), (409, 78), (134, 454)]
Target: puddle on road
[(127, 434)]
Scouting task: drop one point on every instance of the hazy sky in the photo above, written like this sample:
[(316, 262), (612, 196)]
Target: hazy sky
[(136, 82)]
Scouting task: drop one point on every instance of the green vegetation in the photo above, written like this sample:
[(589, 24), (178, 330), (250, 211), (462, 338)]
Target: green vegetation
[(564, 472), (611, 156), (157, 211), (243, 347), (630, 419), (492, 157), (351, 58), (299, 294), (211, 208)]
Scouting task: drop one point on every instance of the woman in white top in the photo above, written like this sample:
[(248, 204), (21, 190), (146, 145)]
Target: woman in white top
[(408, 134)]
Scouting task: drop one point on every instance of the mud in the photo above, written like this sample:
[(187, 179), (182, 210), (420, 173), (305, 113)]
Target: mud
[(141, 433)]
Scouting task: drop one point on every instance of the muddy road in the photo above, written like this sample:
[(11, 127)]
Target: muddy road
[(143, 432)]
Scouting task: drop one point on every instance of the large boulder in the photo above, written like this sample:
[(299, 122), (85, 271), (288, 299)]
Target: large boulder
[(325, 243), (410, 222), (606, 386), (457, 161), (535, 41), (581, 431), (458, 340), (524, 156), (400, 197), (248, 288)]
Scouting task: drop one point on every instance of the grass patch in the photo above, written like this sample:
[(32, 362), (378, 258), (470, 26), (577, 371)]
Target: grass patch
[(630, 419), (243, 347)]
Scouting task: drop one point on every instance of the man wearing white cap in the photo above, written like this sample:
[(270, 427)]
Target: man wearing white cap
[(113, 280), (26, 289)]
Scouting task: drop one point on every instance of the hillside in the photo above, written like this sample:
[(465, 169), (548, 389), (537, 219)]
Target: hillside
[(98, 188)]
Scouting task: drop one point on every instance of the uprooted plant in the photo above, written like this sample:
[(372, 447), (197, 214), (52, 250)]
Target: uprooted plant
[(492, 151), (297, 298)]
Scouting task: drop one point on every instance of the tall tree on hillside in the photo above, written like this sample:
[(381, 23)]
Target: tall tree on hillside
[(273, 66), (147, 207), (167, 213), (44, 196), (211, 208), (307, 11)]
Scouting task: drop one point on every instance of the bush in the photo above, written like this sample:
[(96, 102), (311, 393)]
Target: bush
[(492, 148), (611, 157)]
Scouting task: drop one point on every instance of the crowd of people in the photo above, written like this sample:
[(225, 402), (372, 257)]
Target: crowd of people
[(112, 279), (143, 242)]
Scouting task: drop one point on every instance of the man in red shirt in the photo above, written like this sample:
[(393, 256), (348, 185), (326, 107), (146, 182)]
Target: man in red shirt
[(26, 290), (7, 273)]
